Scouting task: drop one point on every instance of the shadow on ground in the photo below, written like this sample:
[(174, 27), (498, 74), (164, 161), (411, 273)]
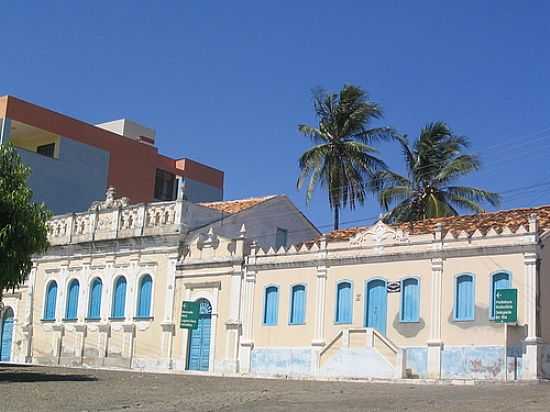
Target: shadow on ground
[(10, 373)]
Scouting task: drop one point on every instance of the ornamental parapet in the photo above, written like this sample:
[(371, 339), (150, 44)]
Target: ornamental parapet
[(117, 219)]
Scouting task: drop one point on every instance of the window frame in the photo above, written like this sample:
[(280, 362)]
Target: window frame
[(137, 315), (455, 297), (343, 322), (68, 301), (264, 311), (113, 299), (402, 299), (291, 304), (49, 284), (94, 280), (165, 178)]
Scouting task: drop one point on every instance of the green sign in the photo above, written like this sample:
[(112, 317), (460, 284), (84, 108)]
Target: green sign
[(189, 315), (506, 305)]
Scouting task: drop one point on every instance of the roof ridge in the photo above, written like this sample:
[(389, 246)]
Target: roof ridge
[(497, 219), (239, 200)]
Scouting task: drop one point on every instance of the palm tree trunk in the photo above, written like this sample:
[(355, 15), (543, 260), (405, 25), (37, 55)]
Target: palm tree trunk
[(336, 217)]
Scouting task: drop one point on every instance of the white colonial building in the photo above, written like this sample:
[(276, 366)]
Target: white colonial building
[(277, 298)]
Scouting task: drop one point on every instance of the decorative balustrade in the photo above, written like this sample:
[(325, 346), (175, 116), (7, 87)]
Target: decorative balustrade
[(114, 219)]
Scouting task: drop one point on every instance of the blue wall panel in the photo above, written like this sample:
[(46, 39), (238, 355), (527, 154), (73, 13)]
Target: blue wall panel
[(417, 361), (281, 361)]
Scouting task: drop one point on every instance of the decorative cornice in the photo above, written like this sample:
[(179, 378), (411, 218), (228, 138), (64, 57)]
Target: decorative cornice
[(399, 257), (203, 285)]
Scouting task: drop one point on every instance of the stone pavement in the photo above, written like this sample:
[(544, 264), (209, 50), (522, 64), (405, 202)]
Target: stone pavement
[(32, 388)]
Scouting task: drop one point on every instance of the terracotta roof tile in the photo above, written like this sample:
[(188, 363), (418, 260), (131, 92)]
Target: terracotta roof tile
[(236, 206), (470, 223)]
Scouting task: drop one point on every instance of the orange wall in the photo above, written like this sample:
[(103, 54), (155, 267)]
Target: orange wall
[(132, 164)]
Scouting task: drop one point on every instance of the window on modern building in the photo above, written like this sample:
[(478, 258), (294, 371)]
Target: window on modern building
[(165, 183), (298, 305), (464, 298), (271, 304), (71, 311), (46, 149), (94, 307), (119, 298), (410, 300), (144, 297), (281, 238), (51, 298), (499, 280), (343, 302)]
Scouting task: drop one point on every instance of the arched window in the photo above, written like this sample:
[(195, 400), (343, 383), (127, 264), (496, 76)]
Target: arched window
[(119, 298), (271, 305), (298, 305), (500, 280), (71, 310), (343, 303), (50, 302), (464, 298), (410, 300), (94, 308), (144, 297)]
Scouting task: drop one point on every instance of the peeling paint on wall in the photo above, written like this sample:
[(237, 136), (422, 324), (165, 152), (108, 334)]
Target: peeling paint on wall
[(357, 363), (472, 362), (281, 361)]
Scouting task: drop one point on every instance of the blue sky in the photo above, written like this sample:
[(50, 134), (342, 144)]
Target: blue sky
[(226, 83)]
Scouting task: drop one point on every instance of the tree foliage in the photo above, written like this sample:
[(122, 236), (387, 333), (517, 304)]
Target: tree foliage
[(342, 157), (23, 229), (434, 162)]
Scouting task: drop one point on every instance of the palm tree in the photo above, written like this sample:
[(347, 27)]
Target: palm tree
[(435, 161), (342, 157)]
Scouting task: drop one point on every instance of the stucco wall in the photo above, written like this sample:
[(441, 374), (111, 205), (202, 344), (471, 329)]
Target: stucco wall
[(283, 334), (482, 330), (147, 342), (263, 220), (216, 290), (71, 182)]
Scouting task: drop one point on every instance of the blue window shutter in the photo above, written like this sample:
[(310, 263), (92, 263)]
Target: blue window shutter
[(72, 300), (6, 335), (343, 303), (410, 300), (499, 281), (464, 298), (297, 312), (51, 298), (144, 299), (94, 309), (271, 303), (119, 298)]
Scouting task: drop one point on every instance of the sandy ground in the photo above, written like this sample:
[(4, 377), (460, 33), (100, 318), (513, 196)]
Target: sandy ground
[(31, 388)]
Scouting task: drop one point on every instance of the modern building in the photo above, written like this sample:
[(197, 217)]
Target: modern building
[(74, 162), (276, 298)]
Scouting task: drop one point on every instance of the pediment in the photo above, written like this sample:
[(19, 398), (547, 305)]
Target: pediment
[(208, 245), (378, 234)]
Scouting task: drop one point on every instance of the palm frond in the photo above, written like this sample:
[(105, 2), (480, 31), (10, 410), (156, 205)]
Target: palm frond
[(474, 194)]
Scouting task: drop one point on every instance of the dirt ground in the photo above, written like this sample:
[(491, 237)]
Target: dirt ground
[(31, 388)]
